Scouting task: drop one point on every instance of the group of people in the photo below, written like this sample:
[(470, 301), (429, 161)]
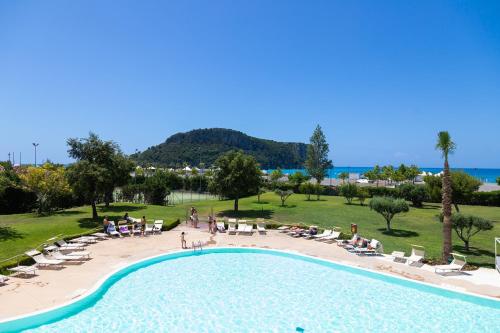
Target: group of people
[(135, 224)]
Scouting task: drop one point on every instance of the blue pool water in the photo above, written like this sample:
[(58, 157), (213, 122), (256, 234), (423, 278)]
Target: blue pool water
[(252, 290), (483, 174)]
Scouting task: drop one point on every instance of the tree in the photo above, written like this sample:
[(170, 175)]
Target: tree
[(417, 194), (317, 162), (307, 188), (276, 175), (236, 175), (498, 180), (349, 192), (466, 226), (388, 173), (49, 183), (318, 189), (100, 166), (283, 194), (388, 207), (412, 172), (447, 147), (362, 193), (343, 175), (462, 187), (156, 188), (374, 174), (297, 179)]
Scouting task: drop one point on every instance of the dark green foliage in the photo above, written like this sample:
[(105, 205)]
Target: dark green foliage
[(362, 193), (388, 207), (417, 194), (156, 188), (206, 145), (15, 199), (349, 192), (485, 198), (466, 226), (498, 180), (297, 179), (236, 175), (317, 162), (307, 188)]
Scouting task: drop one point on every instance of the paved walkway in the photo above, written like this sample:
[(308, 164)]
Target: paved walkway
[(54, 287)]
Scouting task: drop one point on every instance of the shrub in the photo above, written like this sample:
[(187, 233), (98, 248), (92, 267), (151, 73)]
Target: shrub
[(15, 200), (349, 191), (307, 188), (362, 194), (486, 198), (417, 194), (388, 207)]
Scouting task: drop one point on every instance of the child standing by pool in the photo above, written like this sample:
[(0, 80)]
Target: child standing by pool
[(183, 240)]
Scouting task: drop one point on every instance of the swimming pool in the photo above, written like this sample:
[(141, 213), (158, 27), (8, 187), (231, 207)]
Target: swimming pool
[(257, 290)]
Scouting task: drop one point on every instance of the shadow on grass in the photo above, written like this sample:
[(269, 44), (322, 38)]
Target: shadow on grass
[(473, 251), (262, 213), (121, 208), (428, 206), (261, 202), (287, 206), (398, 232), (69, 212), (7, 233)]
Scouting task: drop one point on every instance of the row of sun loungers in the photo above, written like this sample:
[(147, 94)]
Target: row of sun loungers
[(124, 230), (241, 227)]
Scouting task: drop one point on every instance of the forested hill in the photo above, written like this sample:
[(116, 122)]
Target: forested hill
[(205, 145)]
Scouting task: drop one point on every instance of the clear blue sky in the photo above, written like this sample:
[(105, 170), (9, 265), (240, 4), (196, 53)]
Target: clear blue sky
[(381, 77)]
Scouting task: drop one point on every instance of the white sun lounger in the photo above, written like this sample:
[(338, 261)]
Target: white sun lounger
[(59, 256), (242, 227), (326, 232), (416, 256), (375, 247), (330, 238), (221, 227), (70, 246), (231, 228), (41, 261), (249, 228), (100, 235), (3, 278), (283, 228), (112, 230), (456, 265), (149, 228), (343, 243), (84, 239), (25, 270), (261, 227), (158, 225)]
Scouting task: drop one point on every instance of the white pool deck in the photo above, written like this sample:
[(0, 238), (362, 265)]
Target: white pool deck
[(55, 287)]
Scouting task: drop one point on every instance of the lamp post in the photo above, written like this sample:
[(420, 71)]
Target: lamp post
[(35, 145)]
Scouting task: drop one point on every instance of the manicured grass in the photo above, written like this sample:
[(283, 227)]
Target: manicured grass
[(419, 226)]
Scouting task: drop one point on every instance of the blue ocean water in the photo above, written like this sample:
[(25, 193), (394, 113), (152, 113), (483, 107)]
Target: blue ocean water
[(484, 175)]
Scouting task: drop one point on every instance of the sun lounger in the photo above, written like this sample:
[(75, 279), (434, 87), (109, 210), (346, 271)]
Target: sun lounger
[(416, 256), (232, 220), (24, 270), (249, 228), (344, 243), (374, 248), (149, 228), (59, 256), (100, 235), (456, 265), (283, 228), (123, 229), (261, 227), (398, 256), (84, 240), (41, 261), (326, 232), (158, 225), (330, 238), (3, 279), (70, 246), (112, 230), (242, 227), (231, 228), (221, 227)]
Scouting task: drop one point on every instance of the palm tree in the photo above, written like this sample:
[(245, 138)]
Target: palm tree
[(446, 146)]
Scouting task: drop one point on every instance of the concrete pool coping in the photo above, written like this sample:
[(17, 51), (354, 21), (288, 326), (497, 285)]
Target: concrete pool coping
[(52, 295)]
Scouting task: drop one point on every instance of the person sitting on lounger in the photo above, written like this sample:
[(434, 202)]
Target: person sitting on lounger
[(105, 224), (127, 218), (143, 225)]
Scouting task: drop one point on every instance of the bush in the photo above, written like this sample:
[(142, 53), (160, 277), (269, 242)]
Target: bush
[(485, 198), (417, 194), (383, 192), (349, 191), (16, 200)]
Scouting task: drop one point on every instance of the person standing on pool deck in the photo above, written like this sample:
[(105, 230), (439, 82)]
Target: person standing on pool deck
[(183, 240)]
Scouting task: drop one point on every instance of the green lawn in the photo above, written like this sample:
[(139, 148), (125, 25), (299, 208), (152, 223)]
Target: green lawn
[(418, 226)]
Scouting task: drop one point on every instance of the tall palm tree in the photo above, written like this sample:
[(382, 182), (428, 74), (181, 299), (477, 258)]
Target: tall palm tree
[(447, 147)]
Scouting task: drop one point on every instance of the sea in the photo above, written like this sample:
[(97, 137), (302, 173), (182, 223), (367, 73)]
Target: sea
[(484, 175)]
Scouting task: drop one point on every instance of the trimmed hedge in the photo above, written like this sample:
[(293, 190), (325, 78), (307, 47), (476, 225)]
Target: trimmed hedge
[(485, 199)]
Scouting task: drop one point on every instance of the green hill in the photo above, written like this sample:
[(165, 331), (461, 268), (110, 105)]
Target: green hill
[(205, 145)]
